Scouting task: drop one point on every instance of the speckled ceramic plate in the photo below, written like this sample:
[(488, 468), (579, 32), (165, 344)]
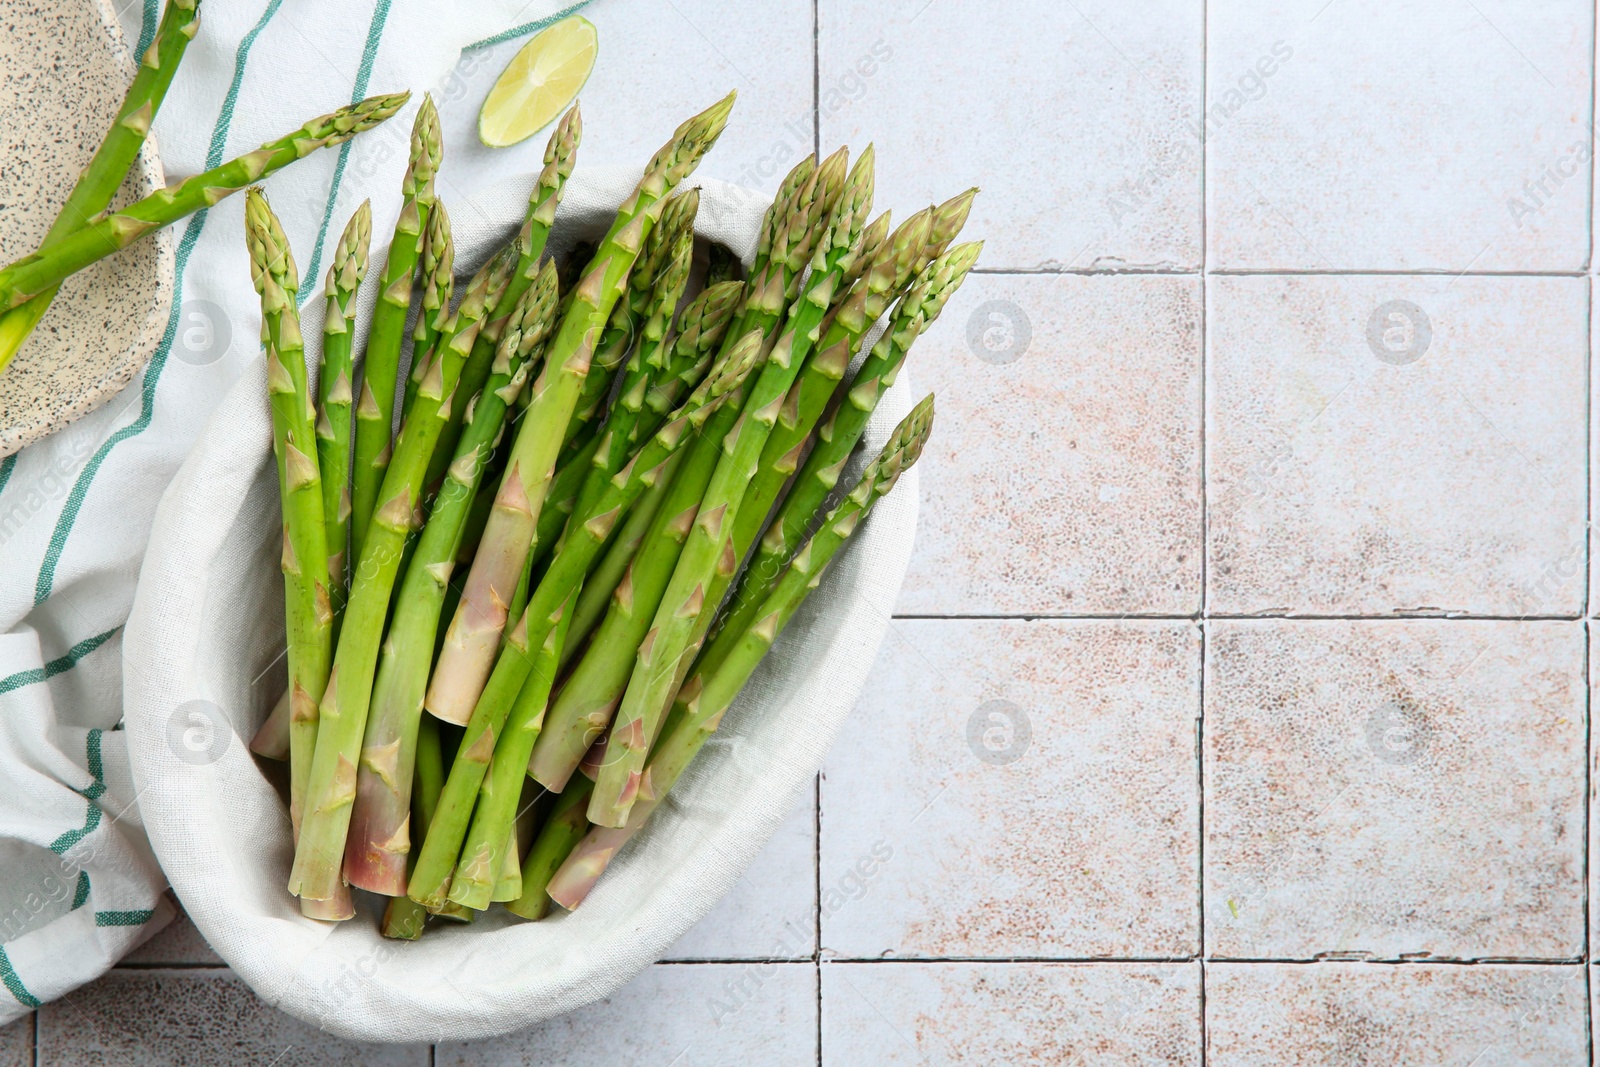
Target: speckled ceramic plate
[(64, 66)]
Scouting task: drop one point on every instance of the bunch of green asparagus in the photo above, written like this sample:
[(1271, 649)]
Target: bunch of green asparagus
[(84, 230), (597, 516)]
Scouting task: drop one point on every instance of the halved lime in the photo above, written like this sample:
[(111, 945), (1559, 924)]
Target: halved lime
[(539, 82)]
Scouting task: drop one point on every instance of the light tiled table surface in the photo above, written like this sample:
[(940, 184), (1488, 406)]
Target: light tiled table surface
[(1237, 710)]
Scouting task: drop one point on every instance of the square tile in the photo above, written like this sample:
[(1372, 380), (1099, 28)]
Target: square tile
[(771, 913), (178, 944), (658, 65), (1563, 569), (1398, 135), (1385, 444), (16, 1042), (1009, 788), (1078, 120), (685, 1015), (1115, 1014), (1395, 789), (1594, 791), (1063, 476), (1333, 1014), (192, 1017)]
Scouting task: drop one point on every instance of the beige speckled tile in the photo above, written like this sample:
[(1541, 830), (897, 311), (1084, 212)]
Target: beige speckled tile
[(1398, 134), (1394, 789), (674, 1015), (658, 64), (1594, 791), (1010, 788), (1574, 561), (1336, 1014), (1063, 476), (1018, 1014), (771, 913), (1076, 119), (192, 1018), (1380, 444), (179, 944), (16, 1043)]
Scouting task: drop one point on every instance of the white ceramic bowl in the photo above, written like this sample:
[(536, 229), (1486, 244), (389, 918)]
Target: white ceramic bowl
[(207, 627)]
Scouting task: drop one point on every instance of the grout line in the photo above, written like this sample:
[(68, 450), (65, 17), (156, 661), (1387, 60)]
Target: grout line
[(1588, 1014), (1205, 534), (1421, 272), (816, 814), (1427, 961), (1588, 664), (1588, 569), (890, 961), (1180, 272), (1588, 732), (1272, 272), (1210, 616), (816, 867), (1589, 234), (786, 961)]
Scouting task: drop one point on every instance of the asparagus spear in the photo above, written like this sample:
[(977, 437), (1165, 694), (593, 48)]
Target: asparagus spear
[(580, 440), (559, 501), (474, 633), (815, 389), (606, 575), (560, 155), (721, 265), (475, 371), (634, 307), (587, 700), (948, 218), (403, 917), (483, 854), (788, 189), (708, 548), (305, 568), (685, 736), (886, 273), (305, 548), (920, 307), (349, 266), (104, 175), (647, 395), (508, 885), (344, 707), (561, 832), (437, 274), (381, 363), (379, 837), (611, 494), (431, 880), (612, 445), (527, 248), (272, 740), (436, 267), (32, 275), (701, 326)]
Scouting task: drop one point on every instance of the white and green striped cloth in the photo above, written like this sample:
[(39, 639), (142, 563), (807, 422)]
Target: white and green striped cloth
[(78, 885)]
